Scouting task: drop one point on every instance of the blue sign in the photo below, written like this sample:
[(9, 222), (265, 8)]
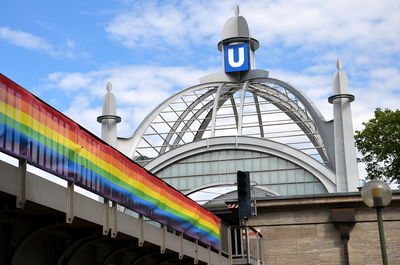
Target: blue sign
[(236, 57)]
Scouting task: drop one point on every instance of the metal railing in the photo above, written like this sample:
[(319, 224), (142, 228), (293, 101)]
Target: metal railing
[(246, 245)]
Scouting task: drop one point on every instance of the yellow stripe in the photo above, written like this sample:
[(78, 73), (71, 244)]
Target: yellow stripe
[(36, 125)]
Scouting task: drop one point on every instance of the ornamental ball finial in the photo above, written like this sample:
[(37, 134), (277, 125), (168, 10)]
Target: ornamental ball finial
[(339, 64), (109, 86), (237, 10)]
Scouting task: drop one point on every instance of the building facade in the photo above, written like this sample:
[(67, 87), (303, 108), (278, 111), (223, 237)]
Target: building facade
[(330, 229), (303, 167), (244, 119)]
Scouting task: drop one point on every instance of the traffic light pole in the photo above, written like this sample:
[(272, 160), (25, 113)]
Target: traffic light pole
[(245, 211)]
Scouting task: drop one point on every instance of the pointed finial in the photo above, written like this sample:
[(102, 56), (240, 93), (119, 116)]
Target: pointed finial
[(237, 10), (339, 64), (109, 87)]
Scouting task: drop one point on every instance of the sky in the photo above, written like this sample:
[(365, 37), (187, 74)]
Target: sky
[(65, 52)]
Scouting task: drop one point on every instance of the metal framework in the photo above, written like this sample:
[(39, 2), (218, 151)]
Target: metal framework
[(263, 108)]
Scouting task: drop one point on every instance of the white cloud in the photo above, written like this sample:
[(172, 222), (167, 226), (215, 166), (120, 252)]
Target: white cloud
[(177, 23), (361, 32), (25, 40), (32, 42), (138, 89), (360, 23)]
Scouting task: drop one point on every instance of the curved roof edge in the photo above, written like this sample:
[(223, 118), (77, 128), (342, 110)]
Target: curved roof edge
[(323, 173), (230, 183)]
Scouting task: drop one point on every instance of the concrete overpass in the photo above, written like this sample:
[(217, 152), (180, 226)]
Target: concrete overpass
[(42, 222)]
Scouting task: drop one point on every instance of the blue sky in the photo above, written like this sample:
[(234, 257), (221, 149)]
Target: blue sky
[(66, 51)]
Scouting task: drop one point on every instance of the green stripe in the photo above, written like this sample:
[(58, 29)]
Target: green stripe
[(75, 157)]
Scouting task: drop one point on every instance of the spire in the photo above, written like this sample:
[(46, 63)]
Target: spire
[(237, 10), (339, 64), (109, 87), (345, 152), (109, 118)]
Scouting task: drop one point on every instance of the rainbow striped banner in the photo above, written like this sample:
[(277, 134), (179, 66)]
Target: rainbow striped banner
[(31, 129)]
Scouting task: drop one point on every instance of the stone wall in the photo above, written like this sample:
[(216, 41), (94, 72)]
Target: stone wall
[(301, 231)]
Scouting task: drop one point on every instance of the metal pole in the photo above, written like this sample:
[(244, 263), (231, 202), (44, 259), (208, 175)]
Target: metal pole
[(247, 240), (382, 236)]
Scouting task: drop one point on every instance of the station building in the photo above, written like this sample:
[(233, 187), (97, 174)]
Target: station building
[(303, 167), (244, 119)]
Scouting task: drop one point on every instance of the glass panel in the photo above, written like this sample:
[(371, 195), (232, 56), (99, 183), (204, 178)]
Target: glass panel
[(274, 177), (273, 163), (256, 164), (301, 189), (308, 176), (291, 175), (247, 165), (282, 190), (291, 189), (190, 169), (282, 176), (264, 162), (309, 188), (198, 169), (206, 168), (300, 175), (214, 167)]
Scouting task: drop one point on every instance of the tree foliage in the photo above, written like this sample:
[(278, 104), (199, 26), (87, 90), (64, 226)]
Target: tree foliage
[(379, 143)]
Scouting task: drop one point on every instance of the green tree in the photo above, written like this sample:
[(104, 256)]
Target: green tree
[(379, 143)]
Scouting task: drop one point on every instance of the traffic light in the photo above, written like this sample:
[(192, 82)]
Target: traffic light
[(244, 195)]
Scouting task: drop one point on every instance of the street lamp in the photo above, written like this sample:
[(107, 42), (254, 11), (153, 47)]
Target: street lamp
[(377, 194)]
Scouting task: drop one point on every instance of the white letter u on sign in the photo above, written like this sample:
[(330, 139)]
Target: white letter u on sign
[(231, 59)]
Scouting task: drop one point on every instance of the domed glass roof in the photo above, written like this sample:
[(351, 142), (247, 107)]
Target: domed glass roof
[(266, 109)]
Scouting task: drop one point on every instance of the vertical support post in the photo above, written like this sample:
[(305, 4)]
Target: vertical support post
[(180, 245), (106, 217), (70, 203), (241, 106), (259, 117), (258, 239), (141, 235), (163, 229), (21, 183), (236, 231), (209, 254), (220, 256), (215, 108), (229, 244), (196, 252), (247, 241), (382, 236), (113, 220)]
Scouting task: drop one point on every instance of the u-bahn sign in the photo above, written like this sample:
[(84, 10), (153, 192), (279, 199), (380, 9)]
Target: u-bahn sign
[(236, 57)]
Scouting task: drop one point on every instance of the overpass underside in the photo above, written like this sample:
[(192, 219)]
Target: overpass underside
[(42, 222)]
